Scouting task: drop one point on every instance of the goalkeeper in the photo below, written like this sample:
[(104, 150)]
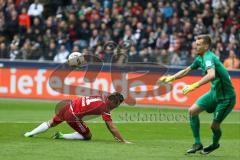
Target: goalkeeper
[(220, 100)]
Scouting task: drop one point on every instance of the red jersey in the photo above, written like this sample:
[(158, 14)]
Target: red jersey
[(24, 20), (92, 105)]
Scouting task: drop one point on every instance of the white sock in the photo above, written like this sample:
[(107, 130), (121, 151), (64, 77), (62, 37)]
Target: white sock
[(41, 128), (74, 135)]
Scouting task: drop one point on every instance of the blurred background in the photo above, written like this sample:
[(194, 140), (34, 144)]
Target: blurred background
[(160, 31)]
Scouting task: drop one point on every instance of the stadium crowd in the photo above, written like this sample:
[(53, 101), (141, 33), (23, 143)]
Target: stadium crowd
[(160, 31)]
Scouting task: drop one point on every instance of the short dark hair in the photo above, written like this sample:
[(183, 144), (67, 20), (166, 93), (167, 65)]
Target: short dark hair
[(206, 39), (116, 96)]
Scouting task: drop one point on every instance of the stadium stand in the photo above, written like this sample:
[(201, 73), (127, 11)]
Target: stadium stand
[(159, 30)]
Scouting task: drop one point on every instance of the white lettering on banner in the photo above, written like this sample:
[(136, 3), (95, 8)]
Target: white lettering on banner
[(164, 97), (84, 88), (24, 84), (13, 80), (178, 89), (56, 83), (3, 89), (67, 83), (123, 83), (39, 84), (143, 90), (40, 78), (100, 83)]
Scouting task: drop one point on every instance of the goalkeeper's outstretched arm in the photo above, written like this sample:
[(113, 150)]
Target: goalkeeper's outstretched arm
[(207, 78), (182, 73), (178, 75)]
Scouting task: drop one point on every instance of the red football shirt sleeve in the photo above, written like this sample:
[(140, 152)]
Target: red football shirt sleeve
[(106, 116)]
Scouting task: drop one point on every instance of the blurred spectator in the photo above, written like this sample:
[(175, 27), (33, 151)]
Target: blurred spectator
[(16, 41), (73, 7), (3, 51), (12, 24), (51, 50), (38, 47), (24, 20), (164, 57), (83, 35), (152, 39), (26, 50), (167, 10), (147, 55), (35, 9), (175, 60), (218, 4), (199, 27), (73, 36), (163, 41), (48, 37), (61, 55), (29, 34), (75, 49), (174, 42), (37, 28), (134, 56), (62, 39), (232, 62), (51, 24), (14, 52), (99, 52), (220, 50), (94, 40), (136, 9)]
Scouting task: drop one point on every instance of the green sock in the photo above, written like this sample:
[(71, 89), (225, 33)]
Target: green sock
[(216, 136), (195, 125)]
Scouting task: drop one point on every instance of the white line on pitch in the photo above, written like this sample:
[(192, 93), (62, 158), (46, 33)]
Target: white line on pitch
[(118, 122)]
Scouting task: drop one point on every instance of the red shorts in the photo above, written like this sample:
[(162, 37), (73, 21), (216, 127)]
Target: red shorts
[(65, 114)]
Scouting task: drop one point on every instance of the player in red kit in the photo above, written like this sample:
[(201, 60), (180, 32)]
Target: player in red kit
[(73, 112)]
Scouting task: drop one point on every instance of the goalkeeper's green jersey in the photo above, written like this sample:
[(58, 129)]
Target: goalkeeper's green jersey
[(221, 85)]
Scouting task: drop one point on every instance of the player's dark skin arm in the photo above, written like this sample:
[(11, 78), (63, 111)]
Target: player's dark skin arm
[(208, 77), (115, 132)]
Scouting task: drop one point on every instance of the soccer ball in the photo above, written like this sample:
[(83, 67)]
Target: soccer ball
[(76, 59)]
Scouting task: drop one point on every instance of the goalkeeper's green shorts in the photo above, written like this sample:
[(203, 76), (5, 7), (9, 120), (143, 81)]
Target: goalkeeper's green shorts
[(220, 108)]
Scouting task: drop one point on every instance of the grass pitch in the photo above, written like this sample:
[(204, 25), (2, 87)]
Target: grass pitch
[(156, 133)]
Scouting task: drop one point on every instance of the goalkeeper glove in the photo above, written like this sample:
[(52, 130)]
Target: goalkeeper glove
[(165, 79), (189, 88)]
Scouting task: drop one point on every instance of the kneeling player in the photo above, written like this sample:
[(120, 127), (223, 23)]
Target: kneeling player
[(74, 111)]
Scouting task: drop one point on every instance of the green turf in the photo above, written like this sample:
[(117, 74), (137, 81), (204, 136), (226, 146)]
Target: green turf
[(155, 133)]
